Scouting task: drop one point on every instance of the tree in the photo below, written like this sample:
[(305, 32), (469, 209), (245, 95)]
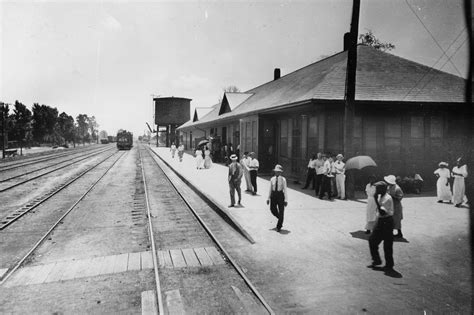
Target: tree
[(22, 120), (66, 128), (44, 123), (82, 127), (93, 127), (4, 122), (229, 89), (369, 39)]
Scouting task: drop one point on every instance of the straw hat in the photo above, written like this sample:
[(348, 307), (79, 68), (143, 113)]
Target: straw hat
[(233, 157), (391, 179), (339, 156), (278, 168), (443, 164)]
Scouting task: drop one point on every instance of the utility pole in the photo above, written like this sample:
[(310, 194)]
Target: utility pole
[(349, 96), (4, 128)]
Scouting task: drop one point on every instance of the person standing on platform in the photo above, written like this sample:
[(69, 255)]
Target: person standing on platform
[(397, 195), (235, 179), (173, 150), (459, 188), (319, 169), (383, 230), (207, 158), (253, 169), (340, 168), (371, 208), (443, 191), (311, 173), (181, 152), (326, 181), (332, 177), (245, 165), (277, 196), (199, 159)]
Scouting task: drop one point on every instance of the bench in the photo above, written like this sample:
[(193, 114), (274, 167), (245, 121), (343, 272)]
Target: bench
[(11, 152)]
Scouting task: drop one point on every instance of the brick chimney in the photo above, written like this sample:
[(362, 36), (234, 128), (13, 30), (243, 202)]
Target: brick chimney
[(276, 74)]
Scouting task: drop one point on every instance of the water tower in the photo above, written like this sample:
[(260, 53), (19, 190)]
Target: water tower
[(170, 113)]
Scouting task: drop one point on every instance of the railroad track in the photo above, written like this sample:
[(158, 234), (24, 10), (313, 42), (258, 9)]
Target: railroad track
[(180, 212), (12, 269), (48, 157), (21, 182), (18, 213)]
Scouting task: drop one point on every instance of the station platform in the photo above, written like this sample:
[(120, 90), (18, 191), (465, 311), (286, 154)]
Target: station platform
[(318, 261)]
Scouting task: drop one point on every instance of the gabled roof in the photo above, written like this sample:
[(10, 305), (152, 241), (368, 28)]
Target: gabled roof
[(380, 76), (200, 112), (232, 100)]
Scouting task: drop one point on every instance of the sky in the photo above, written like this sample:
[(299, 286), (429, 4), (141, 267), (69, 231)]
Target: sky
[(109, 58)]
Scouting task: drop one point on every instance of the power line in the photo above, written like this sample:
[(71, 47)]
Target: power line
[(432, 67), (414, 12), (454, 53)]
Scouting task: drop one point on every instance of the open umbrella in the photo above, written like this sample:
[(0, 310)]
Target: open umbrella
[(359, 162), (203, 142)]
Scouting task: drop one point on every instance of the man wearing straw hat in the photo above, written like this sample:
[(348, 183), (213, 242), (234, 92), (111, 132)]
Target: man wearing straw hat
[(277, 196), (397, 195), (235, 178)]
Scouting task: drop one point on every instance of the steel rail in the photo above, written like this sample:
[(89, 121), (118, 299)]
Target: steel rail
[(214, 238), (49, 172), (22, 260), (15, 215), (65, 161), (152, 240), (47, 157)]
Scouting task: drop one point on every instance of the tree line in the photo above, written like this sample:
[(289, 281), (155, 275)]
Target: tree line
[(44, 125)]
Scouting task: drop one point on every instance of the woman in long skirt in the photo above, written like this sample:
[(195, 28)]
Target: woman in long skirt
[(459, 189), (371, 208), (207, 158), (199, 159), (443, 190)]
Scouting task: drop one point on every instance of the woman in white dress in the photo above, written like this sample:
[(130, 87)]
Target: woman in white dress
[(459, 172), (443, 190), (371, 205), (207, 158), (199, 159)]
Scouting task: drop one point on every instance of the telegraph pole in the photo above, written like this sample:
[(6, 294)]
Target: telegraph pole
[(4, 129), (349, 96)]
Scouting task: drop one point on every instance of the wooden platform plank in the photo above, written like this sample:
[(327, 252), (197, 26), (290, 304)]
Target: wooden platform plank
[(133, 261), (190, 257), (121, 263), (177, 258), (215, 255), (71, 270), (203, 257), (167, 259), (84, 270), (107, 265), (161, 258), (42, 273), (149, 306), (57, 271), (95, 266), (174, 302), (147, 260)]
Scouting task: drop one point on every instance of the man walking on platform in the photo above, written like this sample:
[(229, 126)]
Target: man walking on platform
[(277, 196), (235, 179), (383, 230), (253, 167)]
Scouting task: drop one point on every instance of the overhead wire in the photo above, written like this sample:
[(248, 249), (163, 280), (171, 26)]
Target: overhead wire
[(432, 36), (436, 62)]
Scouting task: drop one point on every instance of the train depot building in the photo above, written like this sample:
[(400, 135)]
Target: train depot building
[(408, 116)]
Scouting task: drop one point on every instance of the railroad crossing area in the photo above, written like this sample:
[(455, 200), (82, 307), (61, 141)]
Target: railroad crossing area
[(318, 261)]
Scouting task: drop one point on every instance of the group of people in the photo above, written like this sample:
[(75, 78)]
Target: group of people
[(326, 175), (180, 150), (443, 187)]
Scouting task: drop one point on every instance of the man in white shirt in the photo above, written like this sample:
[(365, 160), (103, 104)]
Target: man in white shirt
[(340, 169), (326, 180), (253, 168), (277, 196), (318, 164)]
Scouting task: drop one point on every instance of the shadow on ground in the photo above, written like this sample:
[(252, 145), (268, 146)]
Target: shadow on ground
[(361, 235)]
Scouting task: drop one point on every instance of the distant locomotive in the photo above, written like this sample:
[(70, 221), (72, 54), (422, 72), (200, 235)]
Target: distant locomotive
[(124, 140)]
